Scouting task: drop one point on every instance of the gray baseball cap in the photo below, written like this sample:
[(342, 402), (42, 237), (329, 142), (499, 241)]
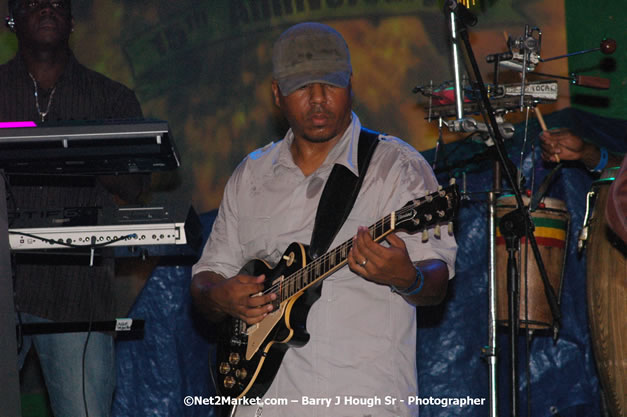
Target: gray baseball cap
[(308, 53)]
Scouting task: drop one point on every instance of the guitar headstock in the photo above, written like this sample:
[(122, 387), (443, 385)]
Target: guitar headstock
[(433, 209)]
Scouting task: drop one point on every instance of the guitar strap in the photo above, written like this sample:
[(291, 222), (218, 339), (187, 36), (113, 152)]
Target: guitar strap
[(339, 195)]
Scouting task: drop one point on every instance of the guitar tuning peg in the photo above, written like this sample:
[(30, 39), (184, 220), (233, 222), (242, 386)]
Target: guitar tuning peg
[(436, 232), (450, 228), (425, 236)]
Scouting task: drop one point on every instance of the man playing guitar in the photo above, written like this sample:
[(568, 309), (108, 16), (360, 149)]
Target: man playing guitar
[(360, 358)]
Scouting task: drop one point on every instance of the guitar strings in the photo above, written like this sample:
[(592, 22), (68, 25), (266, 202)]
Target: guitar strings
[(347, 246), (276, 288)]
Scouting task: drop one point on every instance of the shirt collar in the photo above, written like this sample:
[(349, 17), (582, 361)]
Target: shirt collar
[(343, 153)]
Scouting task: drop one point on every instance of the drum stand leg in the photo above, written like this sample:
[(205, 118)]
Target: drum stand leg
[(513, 228)]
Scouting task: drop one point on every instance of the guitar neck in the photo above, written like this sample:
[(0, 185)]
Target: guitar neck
[(416, 215), (327, 264)]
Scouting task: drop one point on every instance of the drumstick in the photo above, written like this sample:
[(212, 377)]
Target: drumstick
[(540, 119), (544, 128)]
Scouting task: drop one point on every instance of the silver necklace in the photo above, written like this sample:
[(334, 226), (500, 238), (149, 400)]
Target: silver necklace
[(42, 114)]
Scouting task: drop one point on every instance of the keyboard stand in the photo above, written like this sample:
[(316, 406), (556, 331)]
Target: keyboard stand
[(125, 328), (9, 377)]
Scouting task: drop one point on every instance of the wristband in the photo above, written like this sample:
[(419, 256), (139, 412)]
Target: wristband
[(414, 288), (602, 161)]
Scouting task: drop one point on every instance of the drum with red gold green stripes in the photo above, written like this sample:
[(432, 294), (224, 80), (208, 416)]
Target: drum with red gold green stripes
[(550, 221), (548, 231)]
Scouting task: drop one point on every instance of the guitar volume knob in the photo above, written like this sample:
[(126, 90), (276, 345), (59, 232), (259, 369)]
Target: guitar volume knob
[(234, 358), (229, 382), (241, 373), (224, 368)]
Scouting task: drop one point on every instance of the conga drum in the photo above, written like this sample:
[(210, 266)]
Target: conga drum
[(551, 232), (606, 282)]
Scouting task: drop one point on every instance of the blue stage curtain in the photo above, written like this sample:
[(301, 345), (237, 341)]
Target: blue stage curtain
[(562, 374)]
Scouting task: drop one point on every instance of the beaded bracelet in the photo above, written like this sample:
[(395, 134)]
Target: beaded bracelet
[(414, 288), (602, 161)]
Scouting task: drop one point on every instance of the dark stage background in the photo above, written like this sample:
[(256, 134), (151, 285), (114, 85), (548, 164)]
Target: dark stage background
[(204, 66)]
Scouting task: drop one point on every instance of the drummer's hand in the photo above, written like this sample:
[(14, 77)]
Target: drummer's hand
[(563, 145)]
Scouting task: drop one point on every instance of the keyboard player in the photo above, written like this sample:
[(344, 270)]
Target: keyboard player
[(45, 82)]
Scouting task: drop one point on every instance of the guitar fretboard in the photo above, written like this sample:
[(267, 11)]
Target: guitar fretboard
[(326, 264)]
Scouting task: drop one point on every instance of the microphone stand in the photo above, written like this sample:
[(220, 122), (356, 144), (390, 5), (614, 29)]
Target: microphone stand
[(513, 225)]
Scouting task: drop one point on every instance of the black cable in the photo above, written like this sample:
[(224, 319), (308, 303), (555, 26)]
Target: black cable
[(20, 335), (71, 245), (91, 313), (211, 374)]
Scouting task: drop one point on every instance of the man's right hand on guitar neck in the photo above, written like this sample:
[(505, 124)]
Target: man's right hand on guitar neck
[(215, 297)]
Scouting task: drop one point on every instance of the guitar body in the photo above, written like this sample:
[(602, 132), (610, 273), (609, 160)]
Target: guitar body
[(248, 357)]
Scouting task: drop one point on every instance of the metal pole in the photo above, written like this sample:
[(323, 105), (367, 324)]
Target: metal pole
[(491, 349), (456, 69)]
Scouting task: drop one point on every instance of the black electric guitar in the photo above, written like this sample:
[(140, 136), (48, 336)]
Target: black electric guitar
[(249, 356)]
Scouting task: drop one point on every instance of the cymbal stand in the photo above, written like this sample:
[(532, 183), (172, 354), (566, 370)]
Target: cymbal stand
[(519, 221)]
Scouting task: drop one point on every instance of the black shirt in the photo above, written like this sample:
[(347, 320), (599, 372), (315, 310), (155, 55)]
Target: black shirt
[(60, 290)]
